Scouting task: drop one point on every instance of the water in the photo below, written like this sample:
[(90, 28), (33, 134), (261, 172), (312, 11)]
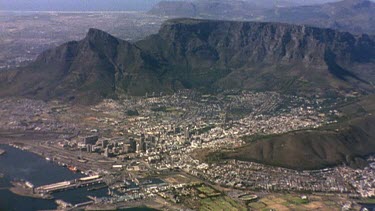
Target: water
[(370, 207), (18, 164)]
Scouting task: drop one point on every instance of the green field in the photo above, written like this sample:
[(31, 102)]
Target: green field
[(295, 200), (220, 203), (369, 201), (257, 205), (208, 191)]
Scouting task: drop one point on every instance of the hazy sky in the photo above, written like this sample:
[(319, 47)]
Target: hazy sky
[(102, 5), (82, 5)]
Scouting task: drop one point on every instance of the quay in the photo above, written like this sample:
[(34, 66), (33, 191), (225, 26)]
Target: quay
[(66, 185)]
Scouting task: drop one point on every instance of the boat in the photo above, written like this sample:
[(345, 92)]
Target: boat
[(73, 169), (2, 151)]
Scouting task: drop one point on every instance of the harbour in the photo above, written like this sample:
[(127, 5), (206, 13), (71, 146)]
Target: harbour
[(73, 184), (22, 171)]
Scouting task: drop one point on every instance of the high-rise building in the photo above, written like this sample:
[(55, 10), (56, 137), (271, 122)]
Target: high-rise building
[(90, 140), (127, 148), (187, 134), (89, 148), (106, 152), (140, 146)]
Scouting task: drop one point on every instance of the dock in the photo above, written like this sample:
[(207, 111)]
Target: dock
[(67, 185)]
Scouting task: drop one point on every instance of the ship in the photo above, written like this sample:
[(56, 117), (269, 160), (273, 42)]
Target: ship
[(73, 169), (63, 204)]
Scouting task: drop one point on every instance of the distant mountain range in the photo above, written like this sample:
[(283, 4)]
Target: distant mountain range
[(355, 16), (200, 54)]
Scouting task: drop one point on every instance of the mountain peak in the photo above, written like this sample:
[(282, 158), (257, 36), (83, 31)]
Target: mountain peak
[(97, 34), (210, 54)]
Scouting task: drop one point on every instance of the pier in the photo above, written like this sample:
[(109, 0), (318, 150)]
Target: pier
[(72, 184)]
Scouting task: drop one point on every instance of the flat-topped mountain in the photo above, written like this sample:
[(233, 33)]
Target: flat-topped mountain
[(200, 54), (355, 16)]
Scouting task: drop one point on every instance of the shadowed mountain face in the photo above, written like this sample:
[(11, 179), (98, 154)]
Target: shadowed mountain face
[(200, 54), (355, 16), (99, 66)]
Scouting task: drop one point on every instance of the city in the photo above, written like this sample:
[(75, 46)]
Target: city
[(157, 146)]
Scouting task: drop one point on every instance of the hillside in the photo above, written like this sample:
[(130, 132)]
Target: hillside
[(99, 66), (200, 54), (346, 142)]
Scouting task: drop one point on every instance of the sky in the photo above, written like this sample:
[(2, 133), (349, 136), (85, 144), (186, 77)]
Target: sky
[(101, 5), (77, 5)]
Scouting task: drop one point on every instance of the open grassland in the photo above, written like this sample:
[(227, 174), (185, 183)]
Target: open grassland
[(220, 203), (295, 202), (208, 191)]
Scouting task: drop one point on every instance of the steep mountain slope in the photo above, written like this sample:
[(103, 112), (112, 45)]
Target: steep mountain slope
[(261, 56), (98, 66), (200, 54)]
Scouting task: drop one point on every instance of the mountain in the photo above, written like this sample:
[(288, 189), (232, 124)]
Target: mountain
[(356, 16), (99, 66), (261, 56), (175, 8), (215, 9), (348, 141), (200, 54), (223, 8)]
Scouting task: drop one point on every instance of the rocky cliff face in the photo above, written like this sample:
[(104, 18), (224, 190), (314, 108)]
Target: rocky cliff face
[(200, 54), (249, 55)]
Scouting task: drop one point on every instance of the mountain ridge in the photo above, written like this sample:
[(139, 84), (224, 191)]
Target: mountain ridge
[(199, 54), (354, 16)]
